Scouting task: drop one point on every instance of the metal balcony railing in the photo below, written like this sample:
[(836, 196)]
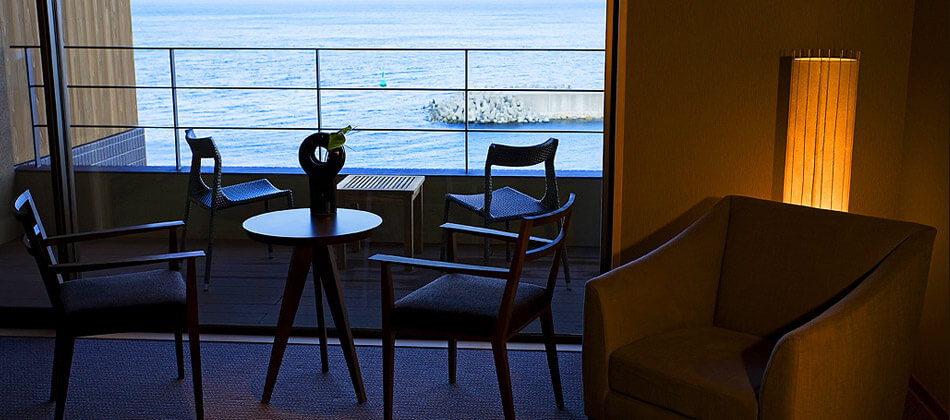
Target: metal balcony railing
[(174, 87)]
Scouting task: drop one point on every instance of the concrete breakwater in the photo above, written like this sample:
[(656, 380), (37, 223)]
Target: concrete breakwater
[(521, 107)]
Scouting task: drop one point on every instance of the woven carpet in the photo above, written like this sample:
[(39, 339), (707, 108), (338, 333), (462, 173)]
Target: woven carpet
[(136, 379)]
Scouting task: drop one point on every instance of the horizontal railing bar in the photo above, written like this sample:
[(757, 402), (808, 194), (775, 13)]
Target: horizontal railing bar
[(126, 47), (419, 89), (502, 130), (304, 88), (259, 128), (534, 90)]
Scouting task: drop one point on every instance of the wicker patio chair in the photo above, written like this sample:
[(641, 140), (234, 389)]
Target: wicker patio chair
[(218, 197), (506, 204)]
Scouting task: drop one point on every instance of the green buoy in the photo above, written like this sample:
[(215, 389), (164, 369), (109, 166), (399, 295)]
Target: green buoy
[(382, 79)]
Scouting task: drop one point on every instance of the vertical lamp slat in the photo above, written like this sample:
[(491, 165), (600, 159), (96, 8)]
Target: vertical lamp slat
[(852, 106), (829, 138), (792, 146), (821, 118), (822, 98), (810, 133)]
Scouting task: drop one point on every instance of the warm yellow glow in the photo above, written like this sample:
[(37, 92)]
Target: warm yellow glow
[(822, 98)]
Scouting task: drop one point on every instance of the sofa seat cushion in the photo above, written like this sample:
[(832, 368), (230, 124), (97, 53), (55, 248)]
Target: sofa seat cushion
[(460, 304), (702, 372)]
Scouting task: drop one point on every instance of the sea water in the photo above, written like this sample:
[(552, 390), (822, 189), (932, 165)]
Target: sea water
[(491, 24)]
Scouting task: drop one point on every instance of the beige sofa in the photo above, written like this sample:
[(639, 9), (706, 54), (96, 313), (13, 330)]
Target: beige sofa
[(759, 310)]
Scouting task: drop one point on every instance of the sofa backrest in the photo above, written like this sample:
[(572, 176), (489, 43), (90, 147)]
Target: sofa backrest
[(784, 264)]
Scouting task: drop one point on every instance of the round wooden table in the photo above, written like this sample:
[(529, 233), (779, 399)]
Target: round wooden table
[(312, 238)]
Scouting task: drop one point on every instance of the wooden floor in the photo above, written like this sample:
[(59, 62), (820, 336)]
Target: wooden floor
[(246, 285)]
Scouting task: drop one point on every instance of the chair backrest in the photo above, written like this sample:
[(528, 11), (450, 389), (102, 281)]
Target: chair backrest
[(202, 148), (783, 264), (521, 156), (525, 251), (34, 238)]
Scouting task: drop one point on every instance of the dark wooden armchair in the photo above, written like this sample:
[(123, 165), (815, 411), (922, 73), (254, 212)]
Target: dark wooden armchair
[(140, 301), (473, 302)]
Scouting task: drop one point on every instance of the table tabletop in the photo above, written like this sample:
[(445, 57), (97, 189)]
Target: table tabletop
[(295, 227)]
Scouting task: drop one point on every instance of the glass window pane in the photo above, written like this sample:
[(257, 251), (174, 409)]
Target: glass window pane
[(392, 69), (155, 107), (152, 68), (280, 68), (375, 109), (575, 152), (536, 69), (247, 108), (160, 147), (254, 148), (405, 150)]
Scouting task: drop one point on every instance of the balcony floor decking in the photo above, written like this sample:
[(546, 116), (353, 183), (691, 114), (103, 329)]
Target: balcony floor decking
[(246, 285)]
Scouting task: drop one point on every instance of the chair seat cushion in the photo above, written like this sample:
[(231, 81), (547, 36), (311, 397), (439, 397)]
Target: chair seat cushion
[(506, 203), (459, 304), (703, 372), (245, 192), (147, 296)]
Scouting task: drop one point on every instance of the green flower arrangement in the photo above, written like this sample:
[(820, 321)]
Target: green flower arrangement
[(338, 139)]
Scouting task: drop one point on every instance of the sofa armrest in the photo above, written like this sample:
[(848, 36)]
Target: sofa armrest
[(853, 361), (672, 287)]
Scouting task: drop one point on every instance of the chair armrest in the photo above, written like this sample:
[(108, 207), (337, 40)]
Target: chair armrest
[(854, 359), (477, 270), (490, 233), (129, 262), (672, 287), (109, 233)]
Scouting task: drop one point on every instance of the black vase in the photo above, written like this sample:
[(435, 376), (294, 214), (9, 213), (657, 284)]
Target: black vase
[(322, 173)]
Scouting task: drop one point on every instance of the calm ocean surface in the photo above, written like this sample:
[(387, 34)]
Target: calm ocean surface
[(359, 24)]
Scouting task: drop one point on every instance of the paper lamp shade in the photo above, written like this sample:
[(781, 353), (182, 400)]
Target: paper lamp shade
[(822, 99)]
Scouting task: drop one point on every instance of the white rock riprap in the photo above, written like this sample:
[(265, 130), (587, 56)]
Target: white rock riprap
[(526, 107)]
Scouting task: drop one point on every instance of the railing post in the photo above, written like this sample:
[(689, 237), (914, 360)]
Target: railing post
[(33, 109), (465, 99), (316, 71), (171, 68)]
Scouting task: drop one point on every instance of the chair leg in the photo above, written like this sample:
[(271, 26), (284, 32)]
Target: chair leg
[(210, 250), (54, 376), (500, 351), (487, 246), (179, 353), (194, 340), (57, 366), (64, 347), (270, 247), (507, 244), (567, 268), (547, 330), (389, 344), (184, 229), (453, 350), (445, 219), (194, 347)]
